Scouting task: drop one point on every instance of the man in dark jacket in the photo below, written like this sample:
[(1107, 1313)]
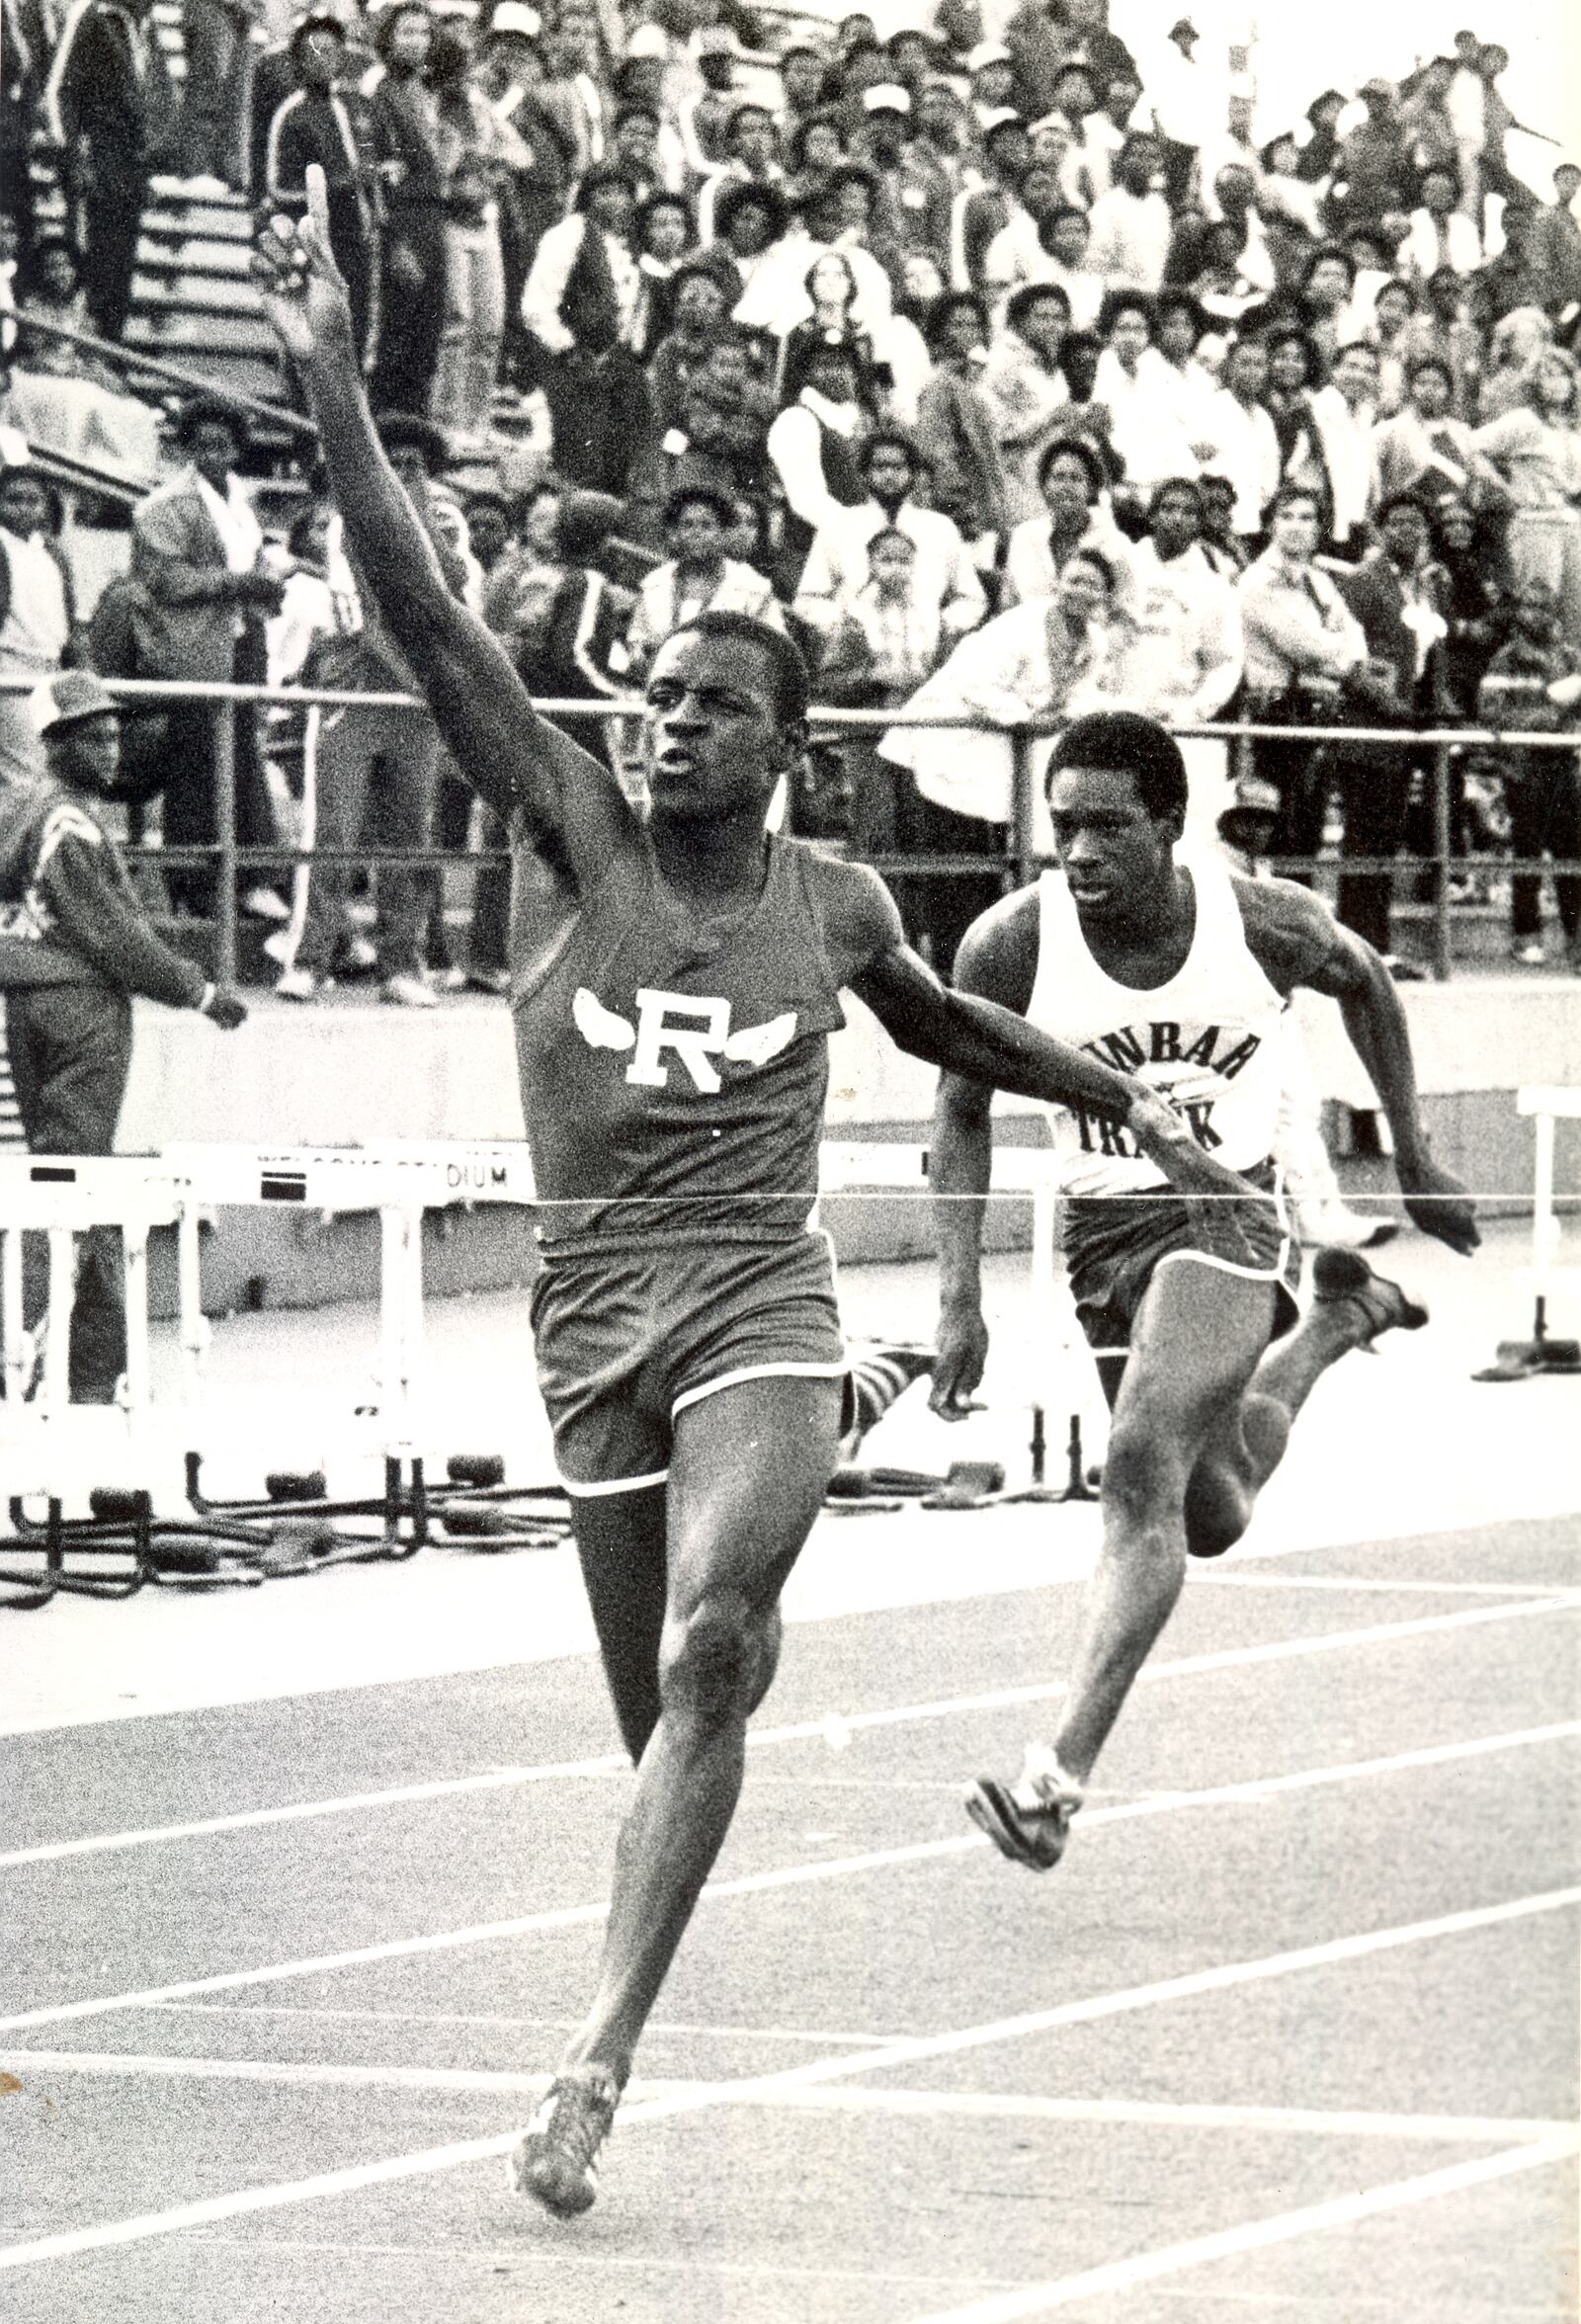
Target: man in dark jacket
[(108, 109), (1396, 593), (75, 946)]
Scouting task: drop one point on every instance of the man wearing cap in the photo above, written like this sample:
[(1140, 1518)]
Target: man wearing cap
[(914, 193), (1371, 168), (75, 946)]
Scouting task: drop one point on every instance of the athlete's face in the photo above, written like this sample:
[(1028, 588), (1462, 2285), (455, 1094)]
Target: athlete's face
[(716, 742), (1109, 848)]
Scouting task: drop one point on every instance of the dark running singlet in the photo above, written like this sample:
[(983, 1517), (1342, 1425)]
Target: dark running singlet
[(673, 1078)]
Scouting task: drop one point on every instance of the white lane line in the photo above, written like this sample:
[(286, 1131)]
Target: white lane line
[(431, 2160), (836, 1868), (1041, 2299), (814, 2036), (1335, 2123), (1225, 1579), (802, 1731)]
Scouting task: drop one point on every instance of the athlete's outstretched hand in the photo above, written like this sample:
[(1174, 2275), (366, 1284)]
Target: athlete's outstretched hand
[(1165, 1137), (1437, 1203), (961, 1350), (305, 292)]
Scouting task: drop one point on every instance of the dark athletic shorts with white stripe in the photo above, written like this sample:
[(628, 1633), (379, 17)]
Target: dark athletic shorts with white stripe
[(628, 1338), (1116, 1244)]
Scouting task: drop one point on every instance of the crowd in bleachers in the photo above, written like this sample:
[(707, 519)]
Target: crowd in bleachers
[(1012, 371)]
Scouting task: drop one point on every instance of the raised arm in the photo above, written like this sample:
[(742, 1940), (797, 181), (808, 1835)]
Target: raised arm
[(1301, 943), (571, 807)]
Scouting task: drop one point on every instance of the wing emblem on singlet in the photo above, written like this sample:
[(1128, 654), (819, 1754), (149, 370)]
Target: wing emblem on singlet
[(599, 1027), (684, 1026)]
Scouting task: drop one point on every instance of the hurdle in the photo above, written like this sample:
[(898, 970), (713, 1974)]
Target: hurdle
[(42, 1435), (1545, 1105), (853, 1167)]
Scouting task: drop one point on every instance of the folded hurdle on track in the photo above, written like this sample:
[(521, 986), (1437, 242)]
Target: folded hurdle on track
[(1544, 1106)]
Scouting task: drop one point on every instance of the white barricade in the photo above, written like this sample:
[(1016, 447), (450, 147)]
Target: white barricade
[(400, 1180), (62, 1197)]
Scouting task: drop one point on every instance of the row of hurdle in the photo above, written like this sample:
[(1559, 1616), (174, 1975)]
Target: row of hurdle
[(55, 1456)]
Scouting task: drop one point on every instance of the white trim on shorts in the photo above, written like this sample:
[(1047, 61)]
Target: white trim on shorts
[(632, 1485), (1276, 1273), (752, 1371)]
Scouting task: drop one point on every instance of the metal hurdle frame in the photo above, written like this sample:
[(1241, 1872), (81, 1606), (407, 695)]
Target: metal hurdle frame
[(1545, 1105), (61, 1197), (851, 1167)]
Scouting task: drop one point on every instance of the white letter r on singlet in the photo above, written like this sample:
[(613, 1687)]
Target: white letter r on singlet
[(691, 1042)]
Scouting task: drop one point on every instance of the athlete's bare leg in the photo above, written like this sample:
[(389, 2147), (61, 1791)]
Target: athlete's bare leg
[(1196, 1343), (621, 1542), (1250, 1441), (748, 1471)]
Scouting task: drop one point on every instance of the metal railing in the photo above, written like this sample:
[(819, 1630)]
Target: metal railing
[(1019, 865)]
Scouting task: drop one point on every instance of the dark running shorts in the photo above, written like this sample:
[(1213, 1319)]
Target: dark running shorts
[(1115, 1245), (626, 1340)]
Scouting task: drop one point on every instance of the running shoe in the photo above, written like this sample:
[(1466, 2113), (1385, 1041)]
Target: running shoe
[(1345, 1275), (1029, 1820), (554, 2158)]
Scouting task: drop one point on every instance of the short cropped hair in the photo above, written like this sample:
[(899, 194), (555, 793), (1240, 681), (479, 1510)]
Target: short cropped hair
[(1123, 742), (781, 653)]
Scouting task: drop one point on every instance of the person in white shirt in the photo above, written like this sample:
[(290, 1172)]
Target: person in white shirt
[(604, 209), (1345, 412), (1072, 480), (1179, 328), (36, 614), (1189, 105), (1245, 445), (1141, 395), (1025, 391), (697, 576), (1065, 238), (1132, 225), (1184, 656), (944, 579), (1440, 235), (1016, 254)]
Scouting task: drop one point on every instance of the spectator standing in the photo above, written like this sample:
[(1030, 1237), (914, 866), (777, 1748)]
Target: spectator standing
[(1245, 446), (1187, 109), (1147, 427), (195, 548), (1073, 477), (1302, 643), (1536, 450), (1537, 690), (38, 620), (367, 773), (1423, 448), (1439, 327), (1181, 656), (1371, 170), (697, 575), (215, 96), (914, 192), (814, 441), (581, 304), (1065, 238), (943, 577), (109, 112), (980, 212), (1511, 280), (1132, 225), (471, 156), (1396, 594), (1025, 391), (955, 423), (1441, 236), (1555, 243), (75, 947), (1346, 413), (1044, 661), (321, 121), (406, 146)]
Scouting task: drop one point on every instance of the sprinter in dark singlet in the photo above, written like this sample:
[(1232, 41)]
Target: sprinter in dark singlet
[(675, 979)]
